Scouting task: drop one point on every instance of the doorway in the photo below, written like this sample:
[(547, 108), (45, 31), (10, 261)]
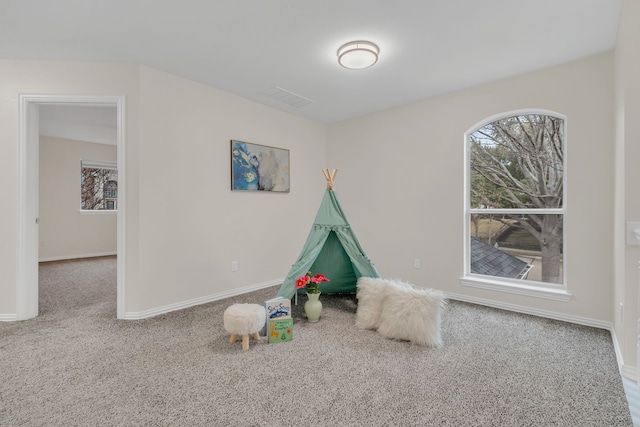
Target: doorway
[(28, 194)]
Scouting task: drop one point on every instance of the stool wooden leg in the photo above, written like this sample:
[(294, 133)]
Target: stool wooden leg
[(233, 338), (256, 336), (245, 342)]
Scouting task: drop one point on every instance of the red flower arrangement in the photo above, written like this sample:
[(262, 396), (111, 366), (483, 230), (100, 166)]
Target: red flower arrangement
[(311, 283)]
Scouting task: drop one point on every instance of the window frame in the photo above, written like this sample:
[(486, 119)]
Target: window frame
[(97, 164), (558, 292)]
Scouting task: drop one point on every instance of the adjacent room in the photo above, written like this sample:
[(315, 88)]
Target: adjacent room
[(452, 181)]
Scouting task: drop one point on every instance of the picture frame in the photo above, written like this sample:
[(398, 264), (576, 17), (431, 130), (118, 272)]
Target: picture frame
[(256, 167)]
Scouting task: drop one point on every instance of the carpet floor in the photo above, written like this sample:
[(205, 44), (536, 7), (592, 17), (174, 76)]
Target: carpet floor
[(77, 365)]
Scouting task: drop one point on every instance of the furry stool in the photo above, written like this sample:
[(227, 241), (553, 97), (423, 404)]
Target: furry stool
[(244, 320)]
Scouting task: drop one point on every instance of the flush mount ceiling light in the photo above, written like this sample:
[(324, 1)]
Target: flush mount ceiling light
[(358, 55)]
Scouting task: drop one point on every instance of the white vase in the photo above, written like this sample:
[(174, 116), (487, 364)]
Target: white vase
[(313, 307)]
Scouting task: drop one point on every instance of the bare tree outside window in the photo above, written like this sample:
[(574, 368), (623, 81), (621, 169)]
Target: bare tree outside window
[(516, 191), (98, 186)]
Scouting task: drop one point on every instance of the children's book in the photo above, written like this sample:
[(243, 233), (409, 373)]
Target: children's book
[(276, 307), (280, 329)]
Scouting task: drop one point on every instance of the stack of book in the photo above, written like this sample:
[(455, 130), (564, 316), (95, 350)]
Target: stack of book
[(279, 324)]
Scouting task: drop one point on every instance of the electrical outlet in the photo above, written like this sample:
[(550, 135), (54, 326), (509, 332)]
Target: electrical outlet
[(416, 263), (621, 313), (234, 265), (633, 233)]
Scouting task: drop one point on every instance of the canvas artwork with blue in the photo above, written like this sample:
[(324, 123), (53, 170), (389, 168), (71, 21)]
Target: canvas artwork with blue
[(259, 167)]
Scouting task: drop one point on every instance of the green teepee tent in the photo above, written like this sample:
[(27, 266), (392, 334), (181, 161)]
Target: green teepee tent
[(331, 249)]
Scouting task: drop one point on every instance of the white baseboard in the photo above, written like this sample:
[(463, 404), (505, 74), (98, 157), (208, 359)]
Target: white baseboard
[(66, 257), (533, 311), (198, 301), (180, 305), (630, 372)]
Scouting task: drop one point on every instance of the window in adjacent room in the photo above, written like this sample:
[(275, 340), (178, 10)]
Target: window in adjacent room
[(515, 211), (98, 186)]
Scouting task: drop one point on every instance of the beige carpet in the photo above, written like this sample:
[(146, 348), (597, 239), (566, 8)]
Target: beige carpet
[(76, 365)]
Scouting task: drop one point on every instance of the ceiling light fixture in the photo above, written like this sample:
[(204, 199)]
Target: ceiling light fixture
[(358, 55)]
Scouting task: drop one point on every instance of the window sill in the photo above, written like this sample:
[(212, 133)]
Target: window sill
[(98, 212), (519, 289)]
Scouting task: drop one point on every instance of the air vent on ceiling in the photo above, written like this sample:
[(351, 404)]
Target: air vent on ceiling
[(286, 97)]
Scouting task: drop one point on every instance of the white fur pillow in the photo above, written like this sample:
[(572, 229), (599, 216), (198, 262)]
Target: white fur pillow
[(371, 294), (412, 314)]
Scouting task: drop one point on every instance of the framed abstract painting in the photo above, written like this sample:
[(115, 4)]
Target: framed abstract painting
[(259, 167)]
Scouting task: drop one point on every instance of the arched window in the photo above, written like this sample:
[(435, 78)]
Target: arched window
[(514, 204)]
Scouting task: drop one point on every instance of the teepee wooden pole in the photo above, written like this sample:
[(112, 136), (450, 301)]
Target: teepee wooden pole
[(330, 177)]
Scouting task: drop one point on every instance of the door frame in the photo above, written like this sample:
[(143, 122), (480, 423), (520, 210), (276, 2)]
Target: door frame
[(28, 195)]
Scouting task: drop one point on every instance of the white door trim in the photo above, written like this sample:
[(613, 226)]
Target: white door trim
[(28, 170)]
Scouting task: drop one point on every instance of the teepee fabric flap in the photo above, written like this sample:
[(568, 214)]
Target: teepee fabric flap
[(332, 249)]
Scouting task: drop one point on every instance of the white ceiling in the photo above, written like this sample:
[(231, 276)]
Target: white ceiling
[(246, 47)]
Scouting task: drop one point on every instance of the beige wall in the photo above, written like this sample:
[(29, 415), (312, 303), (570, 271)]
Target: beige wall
[(193, 226), (402, 174), (627, 108), (184, 226), (64, 231)]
